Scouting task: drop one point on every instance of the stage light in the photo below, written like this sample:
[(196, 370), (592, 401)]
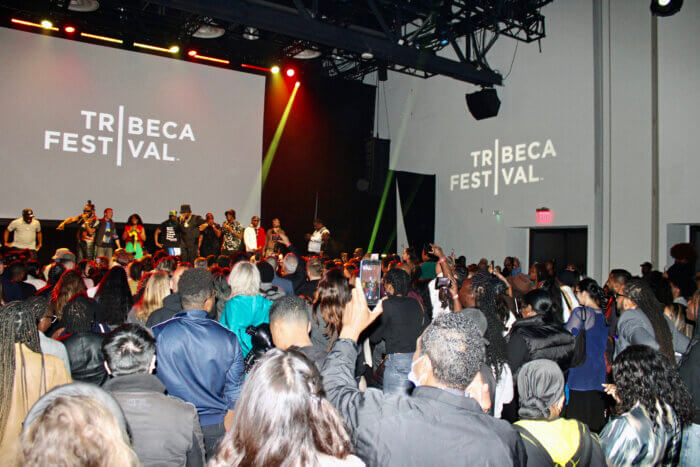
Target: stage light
[(544, 216), (69, 29), (46, 24), (290, 72), (172, 50), (297, 84), (102, 38), (34, 25), (192, 53), (665, 7), (275, 69), (211, 59)]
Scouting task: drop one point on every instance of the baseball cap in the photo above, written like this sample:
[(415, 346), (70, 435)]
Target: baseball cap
[(172, 213), (27, 212), (63, 254)]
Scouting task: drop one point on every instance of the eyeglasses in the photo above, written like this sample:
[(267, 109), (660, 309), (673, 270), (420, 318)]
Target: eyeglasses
[(620, 295)]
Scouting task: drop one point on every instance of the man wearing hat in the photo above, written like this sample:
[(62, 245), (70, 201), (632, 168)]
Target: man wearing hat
[(190, 226), (169, 235), (65, 257), (26, 230)]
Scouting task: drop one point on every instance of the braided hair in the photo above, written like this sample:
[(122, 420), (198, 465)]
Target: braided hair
[(641, 294), (493, 306), (17, 326)]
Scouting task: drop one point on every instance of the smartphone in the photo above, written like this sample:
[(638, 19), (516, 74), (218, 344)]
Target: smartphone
[(174, 251), (441, 282), (370, 277)]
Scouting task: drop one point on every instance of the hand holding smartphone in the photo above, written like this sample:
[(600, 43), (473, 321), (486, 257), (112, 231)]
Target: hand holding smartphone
[(370, 278)]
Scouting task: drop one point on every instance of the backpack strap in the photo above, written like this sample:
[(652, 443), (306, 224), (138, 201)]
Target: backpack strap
[(529, 438)]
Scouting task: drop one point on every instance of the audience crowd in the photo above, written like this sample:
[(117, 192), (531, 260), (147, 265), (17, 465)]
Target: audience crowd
[(259, 354)]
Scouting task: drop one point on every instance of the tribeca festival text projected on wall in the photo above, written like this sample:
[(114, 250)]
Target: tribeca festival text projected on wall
[(130, 131)]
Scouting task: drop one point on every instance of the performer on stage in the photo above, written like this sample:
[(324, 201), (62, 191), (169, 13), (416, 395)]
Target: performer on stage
[(254, 236), (318, 240), (274, 235), (88, 223), (134, 236)]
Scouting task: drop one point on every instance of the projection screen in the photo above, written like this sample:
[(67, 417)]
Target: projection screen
[(135, 132)]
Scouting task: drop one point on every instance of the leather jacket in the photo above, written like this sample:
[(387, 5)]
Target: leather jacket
[(85, 356)]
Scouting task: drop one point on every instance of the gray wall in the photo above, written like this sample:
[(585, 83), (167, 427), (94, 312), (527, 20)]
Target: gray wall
[(595, 66)]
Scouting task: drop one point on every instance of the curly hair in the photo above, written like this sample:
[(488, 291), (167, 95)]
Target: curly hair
[(399, 280), (646, 376), (333, 294), (69, 285), (493, 306), (640, 293)]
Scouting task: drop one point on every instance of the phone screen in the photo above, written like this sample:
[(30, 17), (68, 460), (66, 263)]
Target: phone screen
[(441, 282), (370, 277)]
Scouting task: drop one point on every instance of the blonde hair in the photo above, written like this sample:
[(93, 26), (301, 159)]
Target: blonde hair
[(156, 289), (244, 279), (76, 431)]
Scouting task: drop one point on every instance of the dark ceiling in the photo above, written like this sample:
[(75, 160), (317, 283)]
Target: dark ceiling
[(350, 38)]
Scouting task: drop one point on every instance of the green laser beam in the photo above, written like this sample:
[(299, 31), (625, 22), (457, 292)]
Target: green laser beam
[(380, 211), (272, 149)]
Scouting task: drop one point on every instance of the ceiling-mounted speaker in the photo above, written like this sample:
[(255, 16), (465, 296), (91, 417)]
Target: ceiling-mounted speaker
[(483, 104)]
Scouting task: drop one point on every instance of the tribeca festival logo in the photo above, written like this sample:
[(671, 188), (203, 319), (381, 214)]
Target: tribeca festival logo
[(507, 165), (121, 135)]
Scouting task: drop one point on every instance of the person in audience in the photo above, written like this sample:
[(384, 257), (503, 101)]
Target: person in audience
[(290, 327), (199, 360), (653, 406), (293, 270), (332, 295), (25, 374), (642, 322), (677, 313), (689, 370), (134, 272), (84, 347), (37, 307), (443, 422), (222, 291), (283, 418), (494, 311), (65, 257), (156, 289), (85, 267), (279, 281), (267, 290), (53, 275), (17, 288), (171, 303), (400, 325), (34, 275), (246, 307), (165, 430), (538, 335), (114, 296), (79, 425), (684, 255), (566, 280), (550, 439), (314, 272), (587, 400), (69, 285)]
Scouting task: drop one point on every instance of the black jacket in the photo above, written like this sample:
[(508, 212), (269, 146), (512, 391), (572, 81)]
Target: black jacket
[(532, 338), (85, 357), (432, 427), (171, 307), (165, 430), (690, 372)]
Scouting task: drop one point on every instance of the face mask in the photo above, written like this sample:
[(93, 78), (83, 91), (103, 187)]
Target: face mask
[(412, 377)]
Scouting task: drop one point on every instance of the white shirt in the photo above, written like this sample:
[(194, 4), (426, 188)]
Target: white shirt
[(504, 390), (316, 239), (566, 312), (25, 234), (250, 238)]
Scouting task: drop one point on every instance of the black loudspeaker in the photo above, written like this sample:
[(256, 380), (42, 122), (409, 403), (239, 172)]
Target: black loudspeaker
[(483, 104), (382, 74), (376, 166)]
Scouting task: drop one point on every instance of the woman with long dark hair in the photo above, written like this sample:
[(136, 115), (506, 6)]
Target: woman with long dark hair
[(114, 296), (283, 418), (134, 236), (654, 405), (399, 326), (587, 400), (490, 301), (68, 286), (538, 334), (332, 294), (642, 321)]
